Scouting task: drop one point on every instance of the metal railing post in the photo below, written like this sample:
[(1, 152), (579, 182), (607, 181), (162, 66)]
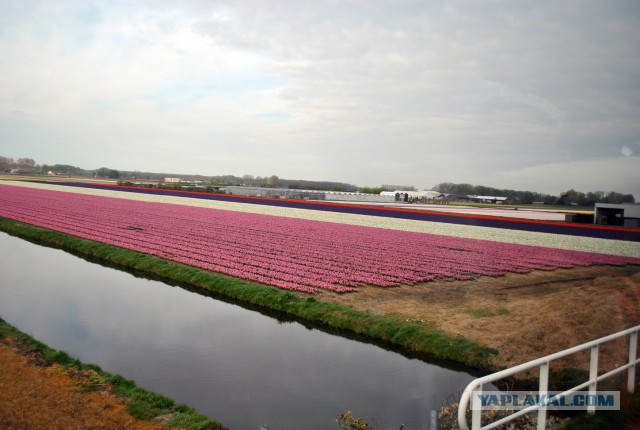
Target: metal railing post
[(543, 363), (476, 414), (633, 352), (593, 376), (543, 390)]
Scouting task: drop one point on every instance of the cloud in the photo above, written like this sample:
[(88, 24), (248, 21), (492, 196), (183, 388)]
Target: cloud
[(365, 92), (612, 174)]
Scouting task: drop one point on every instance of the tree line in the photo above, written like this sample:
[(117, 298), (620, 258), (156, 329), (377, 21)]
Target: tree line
[(570, 197), (7, 163), (28, 165)]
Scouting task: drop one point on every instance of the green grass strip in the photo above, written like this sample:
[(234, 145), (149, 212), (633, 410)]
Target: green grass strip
[(142, 404), (407, 335)]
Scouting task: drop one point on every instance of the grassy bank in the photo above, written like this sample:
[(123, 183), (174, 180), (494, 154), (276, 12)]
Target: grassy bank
[(409, 335), (142, 404)]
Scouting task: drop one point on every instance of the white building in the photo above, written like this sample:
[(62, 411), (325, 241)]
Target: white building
[(419, 194), (488, 199)]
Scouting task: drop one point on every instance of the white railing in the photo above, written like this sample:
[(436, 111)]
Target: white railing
[(543, 363)]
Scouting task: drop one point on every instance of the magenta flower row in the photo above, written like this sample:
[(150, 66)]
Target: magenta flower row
[(289, 253)]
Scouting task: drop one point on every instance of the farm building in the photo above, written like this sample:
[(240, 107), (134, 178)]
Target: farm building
[(623, 215), (23, 170), (287, 193), (412, 195), (488, 199), (345, 196), (282, 193)]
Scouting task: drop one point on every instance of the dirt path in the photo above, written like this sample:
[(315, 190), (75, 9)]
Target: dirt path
[(523, 316), (37, 395)]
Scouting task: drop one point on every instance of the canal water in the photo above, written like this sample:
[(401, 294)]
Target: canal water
[(235, 365)]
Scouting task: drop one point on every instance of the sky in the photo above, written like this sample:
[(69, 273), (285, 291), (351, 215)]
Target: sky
[(540, 95)]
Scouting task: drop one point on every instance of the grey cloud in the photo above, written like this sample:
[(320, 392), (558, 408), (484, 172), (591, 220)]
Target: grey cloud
[(462, 86)]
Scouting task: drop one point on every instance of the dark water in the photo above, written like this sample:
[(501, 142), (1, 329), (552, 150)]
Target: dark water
[(232, 364)]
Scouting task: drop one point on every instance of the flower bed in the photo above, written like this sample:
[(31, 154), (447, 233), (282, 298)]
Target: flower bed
[(290, 253)]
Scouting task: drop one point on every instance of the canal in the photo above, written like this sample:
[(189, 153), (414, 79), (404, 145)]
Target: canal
[(236, 365)]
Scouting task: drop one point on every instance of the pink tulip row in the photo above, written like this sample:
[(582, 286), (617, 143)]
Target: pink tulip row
[(285, 252)]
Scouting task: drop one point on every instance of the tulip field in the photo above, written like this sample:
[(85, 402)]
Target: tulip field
[(290, 253)]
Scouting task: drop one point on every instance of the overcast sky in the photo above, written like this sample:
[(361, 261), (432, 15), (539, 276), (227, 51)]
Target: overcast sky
[(531, 95)]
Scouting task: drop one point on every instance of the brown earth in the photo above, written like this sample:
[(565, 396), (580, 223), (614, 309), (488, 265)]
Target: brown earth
[(35, 394), (523, 316)]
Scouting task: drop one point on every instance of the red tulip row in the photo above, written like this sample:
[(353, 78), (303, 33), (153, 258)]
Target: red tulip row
[(285, 252)]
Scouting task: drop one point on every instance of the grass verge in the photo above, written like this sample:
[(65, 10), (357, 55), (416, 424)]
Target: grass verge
[(406, 335), (141, 404)]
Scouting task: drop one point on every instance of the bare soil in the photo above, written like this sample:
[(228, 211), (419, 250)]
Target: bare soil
[(523, 316), (35, 394)]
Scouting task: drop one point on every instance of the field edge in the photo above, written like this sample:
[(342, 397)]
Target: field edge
[(406, 335)]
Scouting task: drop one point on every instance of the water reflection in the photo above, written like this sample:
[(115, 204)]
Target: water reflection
[(233, 364)]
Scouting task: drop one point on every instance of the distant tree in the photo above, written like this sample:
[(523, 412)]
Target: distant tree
[(249, 180), (592, 198), (527, 197), (65, 169), (614, 197), (628, 198), (569, 197), (26, 162), (105, 172), (582, 199), (484, 191), (6, 163), (372, 190), (451, 188), (300, 184), (42, 169), (102, 172), (388, 187), (444, 187)]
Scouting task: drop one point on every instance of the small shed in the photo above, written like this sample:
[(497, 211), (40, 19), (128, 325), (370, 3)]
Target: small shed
[(622, 215), (488, 199)]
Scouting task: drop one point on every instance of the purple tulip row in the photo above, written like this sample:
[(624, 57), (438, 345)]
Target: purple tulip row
[(289, 253)]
